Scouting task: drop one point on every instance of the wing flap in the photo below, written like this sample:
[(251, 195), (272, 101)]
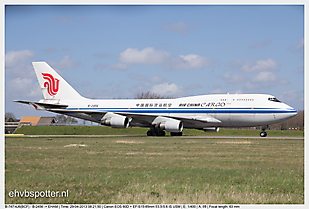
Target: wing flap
[(185, 118), (204, 119)]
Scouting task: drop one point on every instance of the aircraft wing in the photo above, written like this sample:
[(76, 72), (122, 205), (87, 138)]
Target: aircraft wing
[(141, 118)]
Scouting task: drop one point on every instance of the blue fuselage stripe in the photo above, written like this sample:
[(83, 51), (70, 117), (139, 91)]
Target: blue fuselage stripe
[(192, 110)]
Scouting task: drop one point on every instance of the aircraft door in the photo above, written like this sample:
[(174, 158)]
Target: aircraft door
[(229, 99), (229, 116)]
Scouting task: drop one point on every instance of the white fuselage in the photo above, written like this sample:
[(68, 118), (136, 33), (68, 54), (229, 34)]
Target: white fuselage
[(230, 109)]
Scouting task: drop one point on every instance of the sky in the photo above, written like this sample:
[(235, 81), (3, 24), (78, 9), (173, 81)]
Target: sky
[(120, 51)]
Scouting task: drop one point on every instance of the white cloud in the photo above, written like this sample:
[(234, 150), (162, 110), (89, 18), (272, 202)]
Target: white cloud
[(18, 64), (265, 76), (167, 89), (23, 87), (232, 79), (179, 27), (261, 65), (120, 66), (264, 79), (13, 58), (150, 56), (147, 56), (189, 62), (20, 77)]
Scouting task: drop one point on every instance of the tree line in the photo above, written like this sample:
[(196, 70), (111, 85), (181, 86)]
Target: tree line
[(294, 122)]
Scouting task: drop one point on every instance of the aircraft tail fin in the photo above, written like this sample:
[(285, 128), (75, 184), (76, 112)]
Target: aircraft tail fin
[(53, 86)]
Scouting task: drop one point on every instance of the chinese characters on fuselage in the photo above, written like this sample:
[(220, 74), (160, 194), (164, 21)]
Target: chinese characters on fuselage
[(204, 104), (154, 105)]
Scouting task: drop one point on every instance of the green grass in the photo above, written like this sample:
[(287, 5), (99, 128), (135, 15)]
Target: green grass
[(78, 130), (156, 170), (103, 130)]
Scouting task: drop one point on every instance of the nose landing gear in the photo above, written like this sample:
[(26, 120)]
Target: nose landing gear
[(263, 133)]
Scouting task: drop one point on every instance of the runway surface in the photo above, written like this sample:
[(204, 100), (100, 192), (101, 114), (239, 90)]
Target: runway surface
[(108, 136)]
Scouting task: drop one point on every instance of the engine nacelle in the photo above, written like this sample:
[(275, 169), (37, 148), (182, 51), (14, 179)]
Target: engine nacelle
[(115, 121), (213, 129), (171, 126)]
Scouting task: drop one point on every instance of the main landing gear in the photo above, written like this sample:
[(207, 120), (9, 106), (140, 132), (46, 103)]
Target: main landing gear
[(176, 133), (263, 133), (154, 132)]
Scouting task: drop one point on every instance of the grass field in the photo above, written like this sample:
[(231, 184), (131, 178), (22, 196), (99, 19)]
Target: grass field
[(156, 170), (103, 130)]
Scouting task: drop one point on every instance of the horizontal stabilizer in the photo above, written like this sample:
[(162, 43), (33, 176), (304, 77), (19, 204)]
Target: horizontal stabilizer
[(41, 106)]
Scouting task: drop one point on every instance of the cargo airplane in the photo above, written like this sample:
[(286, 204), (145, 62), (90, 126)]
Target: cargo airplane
[(204, 112)]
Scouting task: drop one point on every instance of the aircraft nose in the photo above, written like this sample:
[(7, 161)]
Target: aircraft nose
[(294, 112), (291, 111)]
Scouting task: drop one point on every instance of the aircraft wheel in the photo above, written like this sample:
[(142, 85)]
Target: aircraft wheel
[(176, 133), (263, 134), (155, 133), (160, 133), (150, 133)]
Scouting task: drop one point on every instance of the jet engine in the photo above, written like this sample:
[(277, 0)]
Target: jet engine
[(214, 129), (115, 121), (170, 125)]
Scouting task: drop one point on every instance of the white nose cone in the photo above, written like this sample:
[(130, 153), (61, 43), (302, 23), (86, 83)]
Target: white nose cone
[(291, 112)]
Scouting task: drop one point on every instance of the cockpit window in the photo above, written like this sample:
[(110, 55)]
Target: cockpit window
[(273, 99)]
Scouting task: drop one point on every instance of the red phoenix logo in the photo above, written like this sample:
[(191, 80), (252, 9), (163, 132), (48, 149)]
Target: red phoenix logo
[(52, 84)]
